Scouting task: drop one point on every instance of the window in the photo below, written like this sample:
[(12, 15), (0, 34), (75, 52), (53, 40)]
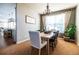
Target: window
[(7, 25), (3, 23), (55, 22)]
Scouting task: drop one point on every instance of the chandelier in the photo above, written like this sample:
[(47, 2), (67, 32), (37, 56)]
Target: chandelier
[(47, 11)]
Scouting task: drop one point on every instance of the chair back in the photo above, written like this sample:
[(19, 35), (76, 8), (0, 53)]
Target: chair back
[(35, 38), (56, 34)]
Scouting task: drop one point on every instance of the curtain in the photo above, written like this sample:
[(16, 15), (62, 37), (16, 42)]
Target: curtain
[(67, 18), (42, 23), (70, 17)]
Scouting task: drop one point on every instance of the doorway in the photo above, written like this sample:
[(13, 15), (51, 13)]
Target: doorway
[(7, 24)]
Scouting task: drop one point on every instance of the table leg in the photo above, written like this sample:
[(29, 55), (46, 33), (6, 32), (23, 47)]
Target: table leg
[(48, 46)]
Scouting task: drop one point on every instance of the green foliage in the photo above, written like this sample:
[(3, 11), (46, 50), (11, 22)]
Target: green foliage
[(70, 31)]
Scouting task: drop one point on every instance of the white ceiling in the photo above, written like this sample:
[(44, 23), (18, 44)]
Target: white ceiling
[(53, 6)]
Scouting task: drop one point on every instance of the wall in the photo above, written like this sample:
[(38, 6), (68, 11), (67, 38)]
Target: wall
[(77, 24), (22, 27), (33, 10)]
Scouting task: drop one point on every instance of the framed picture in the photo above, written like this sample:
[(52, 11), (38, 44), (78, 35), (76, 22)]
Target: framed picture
[(29, 19)]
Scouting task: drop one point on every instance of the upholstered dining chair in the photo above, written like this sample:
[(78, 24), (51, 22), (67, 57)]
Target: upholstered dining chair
[(36, 40), (53, 39)]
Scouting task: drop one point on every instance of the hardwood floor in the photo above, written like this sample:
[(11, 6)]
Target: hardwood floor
[(62, 48), (9, 41), (4, 42)]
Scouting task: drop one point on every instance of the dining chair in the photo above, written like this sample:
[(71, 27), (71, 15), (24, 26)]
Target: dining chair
[(36, 40), (53, 39)]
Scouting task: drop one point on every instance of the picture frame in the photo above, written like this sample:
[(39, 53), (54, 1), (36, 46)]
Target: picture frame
[(29, 19)]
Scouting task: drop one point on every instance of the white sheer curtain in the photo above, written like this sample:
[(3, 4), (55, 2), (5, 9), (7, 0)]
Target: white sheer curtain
[(55, 22)]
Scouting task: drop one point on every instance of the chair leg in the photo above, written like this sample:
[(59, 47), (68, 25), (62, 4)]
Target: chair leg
[(55, 43), (46, 48), (31, 49), (39, 51)]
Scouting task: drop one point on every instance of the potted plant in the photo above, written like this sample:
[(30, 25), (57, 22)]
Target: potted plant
[(70, 31)]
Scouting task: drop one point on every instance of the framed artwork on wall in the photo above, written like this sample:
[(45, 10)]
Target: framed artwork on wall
[(29, 19)]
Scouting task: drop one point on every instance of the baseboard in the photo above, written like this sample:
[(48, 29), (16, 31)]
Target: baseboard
[(22, 41)]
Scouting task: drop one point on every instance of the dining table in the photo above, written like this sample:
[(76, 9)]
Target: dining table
[(47, 37)]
